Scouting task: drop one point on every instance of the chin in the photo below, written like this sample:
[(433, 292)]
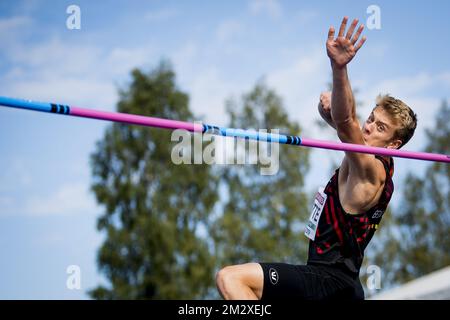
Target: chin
[(371, 144)]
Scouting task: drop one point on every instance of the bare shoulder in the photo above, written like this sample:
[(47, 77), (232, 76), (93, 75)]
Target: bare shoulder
[(366, 169), (361, 189)]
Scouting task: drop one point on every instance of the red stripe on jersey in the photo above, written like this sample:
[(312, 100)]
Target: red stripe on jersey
[(327, 214), (335, 222)]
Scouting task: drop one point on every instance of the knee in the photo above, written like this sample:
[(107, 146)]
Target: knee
[(224, 281)]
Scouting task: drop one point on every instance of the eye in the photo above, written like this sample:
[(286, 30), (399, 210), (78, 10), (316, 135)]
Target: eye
[(380, 128)]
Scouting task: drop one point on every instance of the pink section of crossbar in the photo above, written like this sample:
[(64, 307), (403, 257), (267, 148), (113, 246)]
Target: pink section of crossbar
[(135, 119)]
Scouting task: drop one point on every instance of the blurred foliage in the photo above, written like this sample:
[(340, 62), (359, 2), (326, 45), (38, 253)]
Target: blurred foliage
[(263, 215), (167, 230), (154, 210)]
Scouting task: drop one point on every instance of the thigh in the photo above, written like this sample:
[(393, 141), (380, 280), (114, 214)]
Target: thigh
[(340, 286), (283, 281)]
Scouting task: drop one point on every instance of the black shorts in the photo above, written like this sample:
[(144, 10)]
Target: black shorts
[(309, 282)]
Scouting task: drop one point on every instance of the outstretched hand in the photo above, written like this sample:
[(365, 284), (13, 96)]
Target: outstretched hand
[(342, 49)]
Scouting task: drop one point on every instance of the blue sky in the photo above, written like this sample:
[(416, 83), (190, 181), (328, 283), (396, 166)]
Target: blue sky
[(218, 50)]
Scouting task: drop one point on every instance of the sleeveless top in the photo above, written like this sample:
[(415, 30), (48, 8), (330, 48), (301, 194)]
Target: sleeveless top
[(340, 237)]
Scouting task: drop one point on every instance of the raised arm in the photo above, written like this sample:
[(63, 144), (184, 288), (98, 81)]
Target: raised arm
[(341, 51)]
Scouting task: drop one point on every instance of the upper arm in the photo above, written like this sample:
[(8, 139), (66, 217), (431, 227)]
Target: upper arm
[(364, 166)]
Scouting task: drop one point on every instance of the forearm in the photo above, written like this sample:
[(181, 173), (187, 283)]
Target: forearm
[(342, 101)]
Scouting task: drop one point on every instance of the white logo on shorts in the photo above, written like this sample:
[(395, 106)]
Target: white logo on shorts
[(273, 276)]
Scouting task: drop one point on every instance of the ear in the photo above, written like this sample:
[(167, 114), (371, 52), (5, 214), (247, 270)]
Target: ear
[(394, 144)]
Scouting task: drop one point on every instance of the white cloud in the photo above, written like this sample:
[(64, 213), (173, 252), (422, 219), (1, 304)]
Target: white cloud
[(304, 17), (13, 28), (67, 200), (8, 25), (376, 50), (56, 57), (5, 201), (208, 91), (229, 29), (270, 7), (83, 75), (184, 57), (28, 7), (89, 93), (444, 78), (406, 85), (204, 81), (161, 15), (15, 177), (121, 60), (299, 83)]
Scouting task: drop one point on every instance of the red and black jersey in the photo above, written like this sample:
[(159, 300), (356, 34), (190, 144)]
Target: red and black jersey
[(341, 237)]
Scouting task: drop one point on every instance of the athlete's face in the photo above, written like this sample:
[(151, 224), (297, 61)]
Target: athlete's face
[(379, 130)]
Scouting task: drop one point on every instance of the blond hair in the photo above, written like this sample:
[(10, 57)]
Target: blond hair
[(402, 114)]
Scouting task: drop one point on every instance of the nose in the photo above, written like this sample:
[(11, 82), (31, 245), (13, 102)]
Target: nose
[(368, 127)]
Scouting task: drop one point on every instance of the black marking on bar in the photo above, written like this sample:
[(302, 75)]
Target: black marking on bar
[(63, 109), (289, 140), (212, 129), (54, 107)]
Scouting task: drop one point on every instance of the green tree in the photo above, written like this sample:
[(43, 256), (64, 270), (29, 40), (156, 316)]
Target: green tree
[(263, 215), (417, 241), (154, 210)]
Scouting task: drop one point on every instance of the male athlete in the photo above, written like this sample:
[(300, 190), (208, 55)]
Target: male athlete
[(348, 210)]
